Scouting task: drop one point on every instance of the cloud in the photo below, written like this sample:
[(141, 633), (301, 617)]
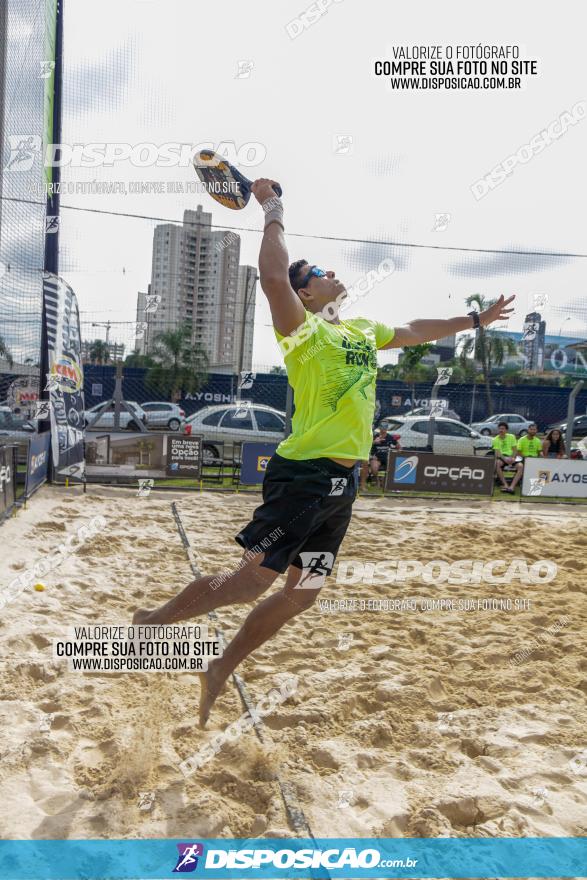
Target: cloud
[(384, 166), (367, 255), (100, 86), (492, 265)]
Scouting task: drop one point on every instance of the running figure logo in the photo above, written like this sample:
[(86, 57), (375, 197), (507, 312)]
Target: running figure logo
[(23, 149), (338, 485), (187, 861), (316, 566)]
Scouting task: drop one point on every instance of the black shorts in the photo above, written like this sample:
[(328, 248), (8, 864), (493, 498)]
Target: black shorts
[(305, 513)]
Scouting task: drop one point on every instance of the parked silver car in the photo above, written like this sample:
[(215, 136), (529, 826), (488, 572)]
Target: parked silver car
[(106, 420), (233, 423), (517, 424), (13, 428), (162, 414)]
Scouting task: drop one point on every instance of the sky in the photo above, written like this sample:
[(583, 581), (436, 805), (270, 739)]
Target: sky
[(356, 159)]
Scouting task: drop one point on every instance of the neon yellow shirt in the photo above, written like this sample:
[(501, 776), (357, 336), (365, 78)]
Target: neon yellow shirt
[(529, 448), (332, 369), (505, 444)]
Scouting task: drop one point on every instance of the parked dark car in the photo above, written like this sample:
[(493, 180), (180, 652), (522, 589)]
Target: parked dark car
[(579, 426)]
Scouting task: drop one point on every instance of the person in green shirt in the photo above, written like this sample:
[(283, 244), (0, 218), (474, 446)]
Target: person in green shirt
[(310, 483), (504, 446), (530, 446)]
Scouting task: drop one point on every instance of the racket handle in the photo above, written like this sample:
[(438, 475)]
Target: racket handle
[(277, 190)]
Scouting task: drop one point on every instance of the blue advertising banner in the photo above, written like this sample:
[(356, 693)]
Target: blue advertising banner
[(37, 462), (254, 462), (288, 858), (7, 478)]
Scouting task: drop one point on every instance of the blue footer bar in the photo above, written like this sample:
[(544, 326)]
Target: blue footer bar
[(283, 858)]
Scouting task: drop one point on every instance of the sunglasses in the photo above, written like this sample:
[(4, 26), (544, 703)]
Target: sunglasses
[(314, 272)]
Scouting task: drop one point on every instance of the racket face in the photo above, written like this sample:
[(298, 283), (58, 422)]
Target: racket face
[(222, 181)]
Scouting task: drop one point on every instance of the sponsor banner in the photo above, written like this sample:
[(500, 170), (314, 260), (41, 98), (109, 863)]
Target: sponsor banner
[(7, 478), (553, 477), (137, 456), (184, 457), (425, 472), (37, 462), (255, 458), (65, 379), (282, 857)]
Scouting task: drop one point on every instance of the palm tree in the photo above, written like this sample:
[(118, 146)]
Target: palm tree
[(486, 346), (5, 352), (410, 369), (181, 366), (99, 352), (138, 360)]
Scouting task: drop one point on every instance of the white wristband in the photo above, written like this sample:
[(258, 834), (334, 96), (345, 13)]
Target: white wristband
[(273, 208)]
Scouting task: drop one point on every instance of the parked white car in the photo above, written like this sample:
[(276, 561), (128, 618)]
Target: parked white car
[(106, 421), (450, 437), (162, 414), (228, 424)]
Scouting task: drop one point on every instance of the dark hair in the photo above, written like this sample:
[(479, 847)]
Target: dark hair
[(294, 271), (505, 424), (556, 447)]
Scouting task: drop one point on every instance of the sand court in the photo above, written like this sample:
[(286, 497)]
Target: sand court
[(408, 718)]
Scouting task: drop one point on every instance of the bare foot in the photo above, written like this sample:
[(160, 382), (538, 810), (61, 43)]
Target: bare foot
[(141, 615), (211, 683)]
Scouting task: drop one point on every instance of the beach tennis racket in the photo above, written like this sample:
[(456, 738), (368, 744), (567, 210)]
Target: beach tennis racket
[(223, 181)]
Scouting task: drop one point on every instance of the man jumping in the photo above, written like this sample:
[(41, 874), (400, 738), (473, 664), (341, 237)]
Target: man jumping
[(311, 481)]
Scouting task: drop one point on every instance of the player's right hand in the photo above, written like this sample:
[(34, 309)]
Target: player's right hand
[(262, 189)]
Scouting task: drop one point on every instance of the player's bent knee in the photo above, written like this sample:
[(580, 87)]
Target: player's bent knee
[(300, 600)]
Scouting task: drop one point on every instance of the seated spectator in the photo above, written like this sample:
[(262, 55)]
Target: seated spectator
[(382, 442), (553, 445), (530, 446), (504, 446)]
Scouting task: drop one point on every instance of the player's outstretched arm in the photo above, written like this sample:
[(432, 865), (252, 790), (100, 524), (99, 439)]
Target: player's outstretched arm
[(287, 310), (417, 332)]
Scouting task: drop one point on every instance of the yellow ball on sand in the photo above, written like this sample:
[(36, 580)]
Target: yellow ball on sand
[(39, 587)]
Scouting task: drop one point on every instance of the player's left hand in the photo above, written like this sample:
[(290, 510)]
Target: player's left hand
[(497, 312)]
